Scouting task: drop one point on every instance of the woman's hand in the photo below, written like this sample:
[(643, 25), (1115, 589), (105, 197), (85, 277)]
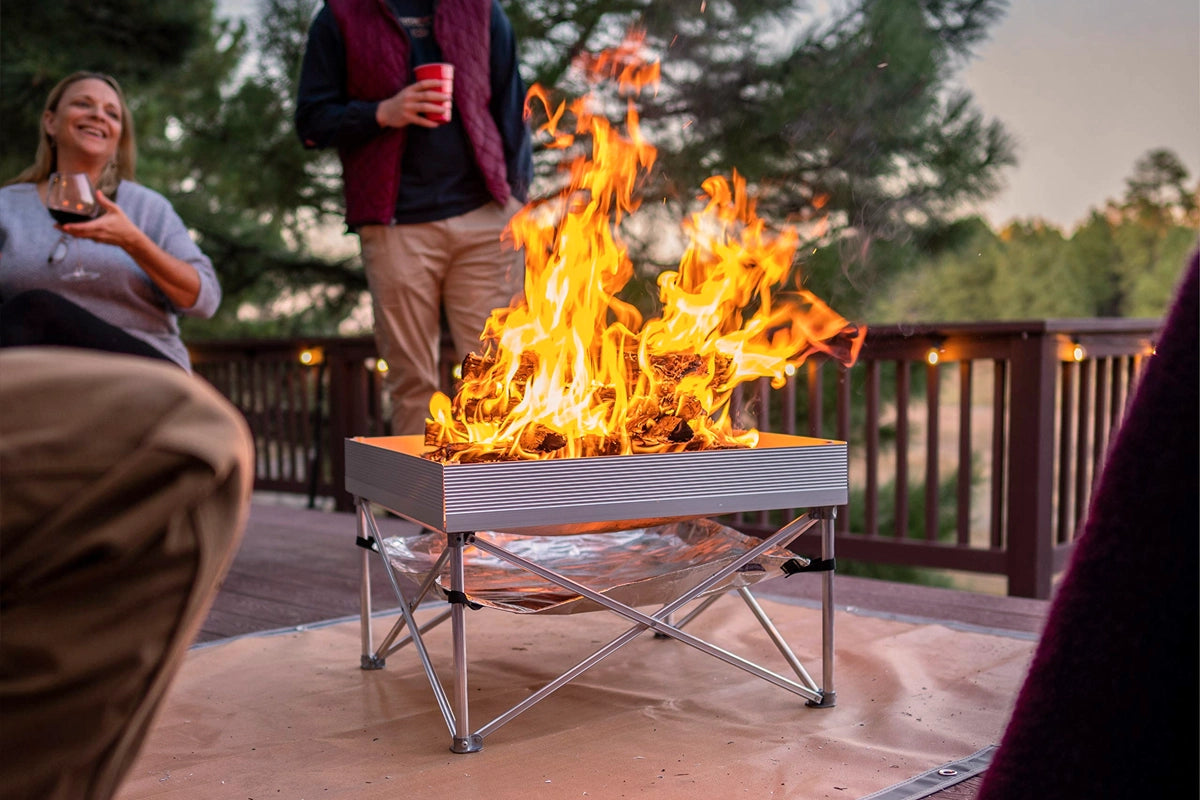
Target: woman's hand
[(408, 106), (111, 227), (174, 277)]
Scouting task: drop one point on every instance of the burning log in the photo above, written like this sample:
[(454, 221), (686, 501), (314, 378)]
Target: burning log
[(659, 418), (670, 429), (463, 452), (540, 439), (481, 369), (477, 367), (689, 407)]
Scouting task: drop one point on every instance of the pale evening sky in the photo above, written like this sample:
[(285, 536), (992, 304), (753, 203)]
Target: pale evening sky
[(1086, 87)]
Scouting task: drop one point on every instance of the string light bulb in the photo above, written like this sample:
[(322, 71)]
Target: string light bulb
[(375, 365), (312, 356)]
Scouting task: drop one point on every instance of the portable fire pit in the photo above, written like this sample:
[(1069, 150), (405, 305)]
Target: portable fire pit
[(514, 514)]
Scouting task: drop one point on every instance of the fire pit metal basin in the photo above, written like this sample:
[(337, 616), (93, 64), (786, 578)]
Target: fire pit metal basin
[(584, 495)]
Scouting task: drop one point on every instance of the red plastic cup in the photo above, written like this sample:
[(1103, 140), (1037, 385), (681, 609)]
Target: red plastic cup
[(445, 74)]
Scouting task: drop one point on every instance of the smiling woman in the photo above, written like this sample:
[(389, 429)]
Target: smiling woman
[(86, 127), (117, 279)]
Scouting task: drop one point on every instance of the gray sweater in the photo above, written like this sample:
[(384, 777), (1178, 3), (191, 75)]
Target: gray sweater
[(124, 295)]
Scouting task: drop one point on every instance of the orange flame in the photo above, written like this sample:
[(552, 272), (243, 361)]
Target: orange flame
[(623, 63), (573, 371)]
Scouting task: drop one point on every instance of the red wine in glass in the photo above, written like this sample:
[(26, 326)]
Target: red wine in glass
[(65, 217), (71, 198)]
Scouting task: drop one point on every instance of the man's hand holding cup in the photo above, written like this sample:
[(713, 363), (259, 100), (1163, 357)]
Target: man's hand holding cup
[(426, 102), (443, 74)]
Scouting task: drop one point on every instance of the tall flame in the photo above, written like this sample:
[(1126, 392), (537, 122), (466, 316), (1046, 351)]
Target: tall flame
[(571, 370)]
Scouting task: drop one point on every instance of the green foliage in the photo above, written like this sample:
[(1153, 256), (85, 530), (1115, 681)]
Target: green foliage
[(1157, 192), (1123, 261), (897, 573), (1154, 288)]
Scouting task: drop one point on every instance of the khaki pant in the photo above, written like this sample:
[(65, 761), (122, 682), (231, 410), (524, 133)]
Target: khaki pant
[(124, 488), (413, 272)]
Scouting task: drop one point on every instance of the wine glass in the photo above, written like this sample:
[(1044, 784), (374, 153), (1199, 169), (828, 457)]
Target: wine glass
[(71, 198)]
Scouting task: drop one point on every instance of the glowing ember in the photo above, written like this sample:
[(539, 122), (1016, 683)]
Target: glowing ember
[(574, 371)]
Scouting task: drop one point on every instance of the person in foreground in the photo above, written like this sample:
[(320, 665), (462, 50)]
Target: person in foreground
[(144, 268), (428, 199), (124, 489), (1110, 706)]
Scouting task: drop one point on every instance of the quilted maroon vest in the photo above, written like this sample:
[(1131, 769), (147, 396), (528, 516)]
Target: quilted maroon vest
[(377, 66)]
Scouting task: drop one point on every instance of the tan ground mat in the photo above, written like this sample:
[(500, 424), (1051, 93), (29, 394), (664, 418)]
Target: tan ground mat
[(291, 715)]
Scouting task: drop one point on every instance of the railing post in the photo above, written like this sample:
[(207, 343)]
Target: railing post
[(347, 416), (1029, 508)]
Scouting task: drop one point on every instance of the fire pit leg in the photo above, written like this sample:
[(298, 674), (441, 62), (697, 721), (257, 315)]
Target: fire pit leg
[(463, 741), (368, 660), (828, 695)]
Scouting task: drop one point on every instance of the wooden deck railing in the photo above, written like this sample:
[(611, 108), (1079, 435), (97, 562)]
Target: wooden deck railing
[(973, 446)]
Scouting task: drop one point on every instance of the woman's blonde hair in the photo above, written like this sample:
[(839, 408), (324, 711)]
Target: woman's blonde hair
[(45, 160)]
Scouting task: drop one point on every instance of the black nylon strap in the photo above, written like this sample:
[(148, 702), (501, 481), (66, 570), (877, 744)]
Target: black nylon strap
[(793, 567), (366, 544)]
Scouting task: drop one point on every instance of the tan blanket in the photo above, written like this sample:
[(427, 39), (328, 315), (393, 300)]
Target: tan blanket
[(292, 716)]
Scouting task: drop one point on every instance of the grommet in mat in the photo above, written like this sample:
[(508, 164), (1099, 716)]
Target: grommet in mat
[(948, 772)]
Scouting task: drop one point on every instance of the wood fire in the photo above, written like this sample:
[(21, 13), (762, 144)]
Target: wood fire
[(569, 370)]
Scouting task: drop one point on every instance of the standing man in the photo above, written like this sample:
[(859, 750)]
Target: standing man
[(428, 200)]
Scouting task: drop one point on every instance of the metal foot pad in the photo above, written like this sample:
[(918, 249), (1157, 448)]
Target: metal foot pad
[(372, 662), (828, 700), (471, 744)]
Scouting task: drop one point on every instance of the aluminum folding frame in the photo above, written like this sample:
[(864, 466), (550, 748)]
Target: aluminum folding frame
[(455, 707)]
